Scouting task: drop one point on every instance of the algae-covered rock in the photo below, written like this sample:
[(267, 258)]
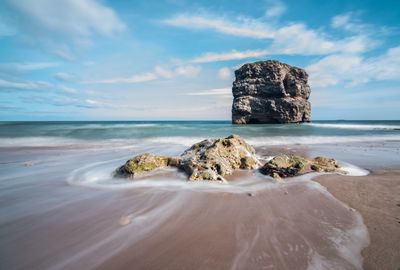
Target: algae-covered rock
[(144, 163), (213, 159), (209, 160), (292, 165), (284, 166), (324, 164)]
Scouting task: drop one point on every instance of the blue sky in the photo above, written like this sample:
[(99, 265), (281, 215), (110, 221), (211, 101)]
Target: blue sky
[(159, 60)]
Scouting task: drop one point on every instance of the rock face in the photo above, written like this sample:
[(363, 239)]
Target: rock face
[(290, 165), (213, 159), (270, 92)]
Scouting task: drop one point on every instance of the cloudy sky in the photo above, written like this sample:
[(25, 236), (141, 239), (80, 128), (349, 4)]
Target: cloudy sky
[(155, 60)]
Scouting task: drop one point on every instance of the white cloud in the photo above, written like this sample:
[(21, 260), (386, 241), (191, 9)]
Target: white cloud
[(340, 20), (182, 70), (64, 76), (188, 71), (212, 92), (159, 72), (23, 85), (63, 26), (144, 77), (164, 72), (290, 39), (244, 27), (275, 9), (295, 39), (384, 67), (326, 72), (91, 101), (225, 73), (35, 85), (354, 70), (232, 55), (67, 89), (298, 39), (349, 22), (61, 50), (70, 17), (27, 66)]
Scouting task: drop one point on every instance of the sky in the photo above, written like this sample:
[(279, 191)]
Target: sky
[(175, 59)]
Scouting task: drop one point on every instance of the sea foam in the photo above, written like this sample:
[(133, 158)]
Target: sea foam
[(355, 126), (186, 141)]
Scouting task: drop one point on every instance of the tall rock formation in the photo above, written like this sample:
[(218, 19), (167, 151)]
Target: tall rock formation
[(270, 92)]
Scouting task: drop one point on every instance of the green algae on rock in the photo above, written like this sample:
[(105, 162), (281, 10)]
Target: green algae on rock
[(324, 164), (291, 165), (144, 163), (284, 166)]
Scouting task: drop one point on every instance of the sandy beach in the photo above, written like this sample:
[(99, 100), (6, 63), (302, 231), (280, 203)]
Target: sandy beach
[(60, 211)]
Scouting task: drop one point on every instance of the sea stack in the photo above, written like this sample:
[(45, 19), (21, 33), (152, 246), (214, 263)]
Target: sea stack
[(270, 92)]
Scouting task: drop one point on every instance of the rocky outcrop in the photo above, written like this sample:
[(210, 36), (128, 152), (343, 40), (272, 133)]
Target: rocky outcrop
[(214, 159), (210, 160), (270, 92), (290, 165)]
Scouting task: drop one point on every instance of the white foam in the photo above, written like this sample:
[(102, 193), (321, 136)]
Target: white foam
[(100, 175), (49, 141), (104, 180), (318, 262), (310, 140), (274, 140), (187, 141), (355, 126), (38, 142), (144, 125), (348, 248), (348, 243), (113, 125), (353, 170)]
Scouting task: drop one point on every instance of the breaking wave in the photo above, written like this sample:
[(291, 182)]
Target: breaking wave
[(355, 126), (186, 141)]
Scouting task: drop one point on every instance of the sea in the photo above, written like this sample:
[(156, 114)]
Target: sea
[(86, 133)]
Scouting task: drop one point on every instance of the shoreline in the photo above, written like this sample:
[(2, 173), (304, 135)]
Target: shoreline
[(377, 198)]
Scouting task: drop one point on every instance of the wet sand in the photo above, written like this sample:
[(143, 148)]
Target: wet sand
[(377, 198), (49, 221), (269, 230)]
